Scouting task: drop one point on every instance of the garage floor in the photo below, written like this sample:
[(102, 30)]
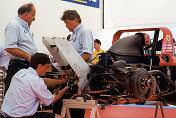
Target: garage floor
[(133, 111)]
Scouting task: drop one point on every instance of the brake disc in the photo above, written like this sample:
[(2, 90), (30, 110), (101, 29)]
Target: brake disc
[(142, 84)]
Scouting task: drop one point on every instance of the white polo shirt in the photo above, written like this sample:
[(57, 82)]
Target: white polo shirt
[(26, 90)]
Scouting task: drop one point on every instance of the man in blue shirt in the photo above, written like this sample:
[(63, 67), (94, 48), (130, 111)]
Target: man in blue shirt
[(27, 89), (19, 41), (82, 37)]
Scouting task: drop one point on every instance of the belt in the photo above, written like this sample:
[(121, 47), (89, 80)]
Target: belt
[(23, 117), (1, 116), (18, 62)]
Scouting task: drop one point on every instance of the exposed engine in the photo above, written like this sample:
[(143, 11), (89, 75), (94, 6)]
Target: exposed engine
[(122, 75)]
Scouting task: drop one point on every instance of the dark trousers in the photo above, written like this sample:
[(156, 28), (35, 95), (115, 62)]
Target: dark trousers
[(42, 115), (14, 66), (36, 115)]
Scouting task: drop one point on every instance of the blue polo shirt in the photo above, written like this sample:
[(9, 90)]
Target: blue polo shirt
[(18, 35), (26, 90), (82, 40)]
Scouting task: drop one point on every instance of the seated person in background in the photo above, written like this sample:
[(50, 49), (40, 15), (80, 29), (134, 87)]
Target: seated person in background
[(147, 43), (27, 89), (97, 46), (4, 59), (147, 39)]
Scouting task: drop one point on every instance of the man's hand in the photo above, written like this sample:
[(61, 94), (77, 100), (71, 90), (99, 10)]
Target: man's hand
[(67, 86), (86, 56), (59, 94), (64, 81)]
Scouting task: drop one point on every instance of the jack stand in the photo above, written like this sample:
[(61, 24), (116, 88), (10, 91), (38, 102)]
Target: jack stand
[(159, 103), (80, 104)]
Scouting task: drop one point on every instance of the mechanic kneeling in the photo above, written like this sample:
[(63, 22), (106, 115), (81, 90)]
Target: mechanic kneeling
[(27, 89)]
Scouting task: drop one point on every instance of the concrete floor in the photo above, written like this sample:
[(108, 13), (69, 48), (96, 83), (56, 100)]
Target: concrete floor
[(134, 111)]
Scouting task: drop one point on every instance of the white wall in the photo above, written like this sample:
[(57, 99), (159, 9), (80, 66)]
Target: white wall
[(126, 14), (48, 23), (120, 13), (107, 34)]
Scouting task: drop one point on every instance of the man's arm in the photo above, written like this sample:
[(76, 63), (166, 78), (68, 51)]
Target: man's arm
[(86, 56), (19, 53), (53, 82), (59, 94)]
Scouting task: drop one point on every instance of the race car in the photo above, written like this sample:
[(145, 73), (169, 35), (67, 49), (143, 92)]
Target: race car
[(136, 68)]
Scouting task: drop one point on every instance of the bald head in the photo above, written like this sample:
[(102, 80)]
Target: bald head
[(25, 8), (27, 13)]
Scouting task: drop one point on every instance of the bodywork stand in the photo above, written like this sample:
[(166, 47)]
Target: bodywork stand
[(159, 103), (80, 104)]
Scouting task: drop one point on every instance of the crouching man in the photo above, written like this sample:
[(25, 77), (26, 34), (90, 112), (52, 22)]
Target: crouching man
[(27, 89)]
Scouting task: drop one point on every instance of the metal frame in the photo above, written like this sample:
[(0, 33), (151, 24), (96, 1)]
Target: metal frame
[(65, 54)]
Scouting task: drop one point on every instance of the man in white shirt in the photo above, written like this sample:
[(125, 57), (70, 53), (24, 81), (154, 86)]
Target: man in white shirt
[(27, 89)]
